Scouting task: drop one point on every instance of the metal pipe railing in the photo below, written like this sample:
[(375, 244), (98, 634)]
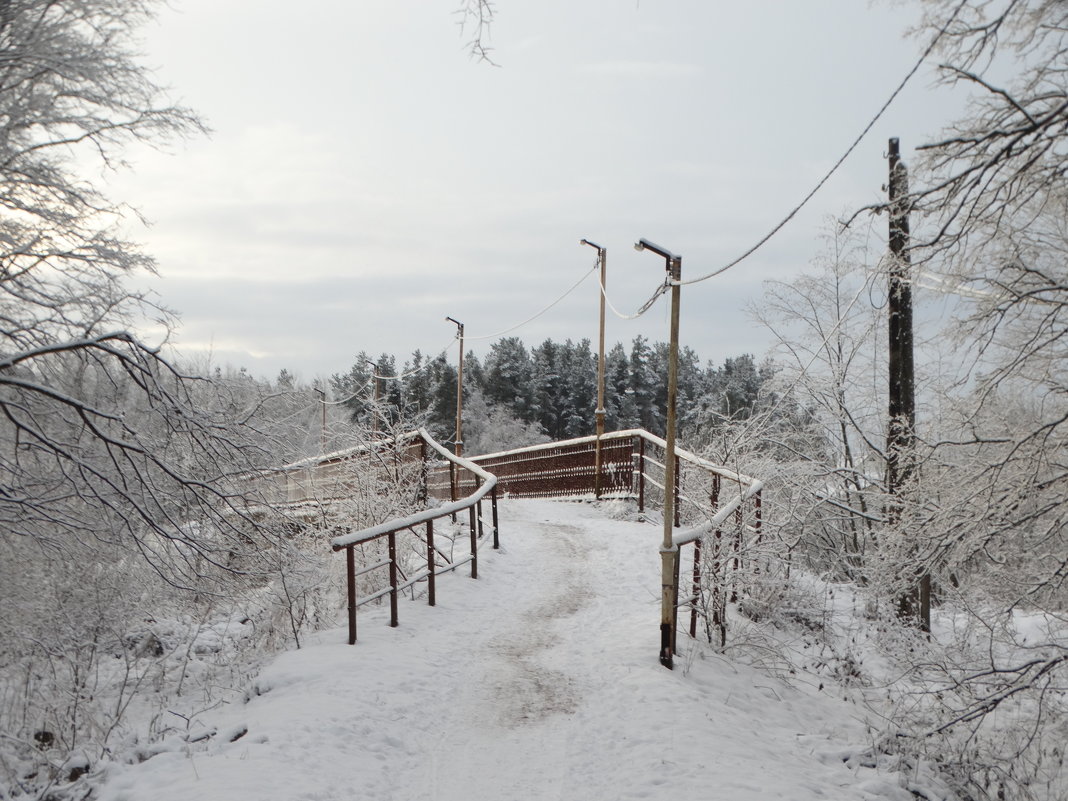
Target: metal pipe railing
[(486, 485)]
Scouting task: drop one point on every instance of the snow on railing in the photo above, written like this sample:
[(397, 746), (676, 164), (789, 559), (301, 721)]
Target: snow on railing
[(485, 484), (632, 461)]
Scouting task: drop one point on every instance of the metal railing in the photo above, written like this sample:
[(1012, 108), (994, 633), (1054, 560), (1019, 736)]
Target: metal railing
[(481, 482), (720, 508), (716, 510), (340, 475)]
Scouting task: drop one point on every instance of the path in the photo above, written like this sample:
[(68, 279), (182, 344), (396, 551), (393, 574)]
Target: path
[(538, 681)]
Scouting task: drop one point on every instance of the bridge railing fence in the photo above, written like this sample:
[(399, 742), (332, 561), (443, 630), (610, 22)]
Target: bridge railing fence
[(717, 510), (378, 548)]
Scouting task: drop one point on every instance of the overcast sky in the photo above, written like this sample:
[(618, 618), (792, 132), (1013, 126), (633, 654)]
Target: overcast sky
[(365, 177)]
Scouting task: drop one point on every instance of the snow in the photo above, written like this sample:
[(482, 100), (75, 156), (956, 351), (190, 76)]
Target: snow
[(540, 680)]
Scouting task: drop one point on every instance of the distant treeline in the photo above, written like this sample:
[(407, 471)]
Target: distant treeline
[(549, 392)]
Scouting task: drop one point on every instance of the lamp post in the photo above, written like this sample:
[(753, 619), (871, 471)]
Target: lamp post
[(669, 551), (374, 409), (459, 408), (599, 413), (459, 389), (322, 423)]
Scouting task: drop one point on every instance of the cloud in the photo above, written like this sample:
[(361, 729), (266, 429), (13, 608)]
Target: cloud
[(641, 69)]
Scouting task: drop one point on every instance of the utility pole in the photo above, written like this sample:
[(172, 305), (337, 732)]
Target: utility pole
[(602, 255), (453, 489), (901, 426), (322, 422), (374, 410), (459, 389), (669, 551)]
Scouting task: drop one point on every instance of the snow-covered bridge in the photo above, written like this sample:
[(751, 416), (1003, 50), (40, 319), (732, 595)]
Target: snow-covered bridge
[(717, 511), (535, 682)]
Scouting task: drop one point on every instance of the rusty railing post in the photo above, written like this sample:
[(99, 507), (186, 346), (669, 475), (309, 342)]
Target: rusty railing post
[(350, 569), (641, 474), (478, 515), (696, 586), (424, 473), (431, 588), (493, 506), (474, 543), (392, 539), (737, 561), (758, 516), (719, 610)]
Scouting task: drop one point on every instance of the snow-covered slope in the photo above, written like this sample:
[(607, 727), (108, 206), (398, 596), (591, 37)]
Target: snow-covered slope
[(540, 680)]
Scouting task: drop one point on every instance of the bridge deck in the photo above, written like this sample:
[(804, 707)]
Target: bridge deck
[(538, 681)]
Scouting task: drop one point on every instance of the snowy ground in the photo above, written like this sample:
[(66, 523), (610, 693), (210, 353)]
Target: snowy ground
[(540, 680)]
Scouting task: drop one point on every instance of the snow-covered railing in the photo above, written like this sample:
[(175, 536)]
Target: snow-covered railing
[(483, 483), (720, 507), (340, 474)]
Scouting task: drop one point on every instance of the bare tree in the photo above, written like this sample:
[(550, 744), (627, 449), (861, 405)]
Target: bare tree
[(476, 16), (826, 329), (100, 436)]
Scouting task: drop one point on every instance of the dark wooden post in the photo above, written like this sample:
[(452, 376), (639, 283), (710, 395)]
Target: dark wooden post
[(431, 588), (696, 593), (901, 428), (758, 523), (493, 506), (641, 474), (474, 543), (392, 540), (350, 568), (737, 559), (718, 577)]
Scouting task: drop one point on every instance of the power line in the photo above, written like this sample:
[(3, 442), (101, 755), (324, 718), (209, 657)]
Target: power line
[(660, 290), (536, 316), (840, 161)]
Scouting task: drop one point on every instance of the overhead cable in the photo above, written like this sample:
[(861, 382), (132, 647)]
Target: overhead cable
[(840, 161), (536, 316)]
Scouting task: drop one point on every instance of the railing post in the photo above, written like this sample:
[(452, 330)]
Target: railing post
[(424, 473), (758, 515), (641, 474), (474, 543), (675, 601), (478, 516), (350, 569), (737, 560), (392, 539), (719, 608), (430, 564), (696, 592), (493, 505)]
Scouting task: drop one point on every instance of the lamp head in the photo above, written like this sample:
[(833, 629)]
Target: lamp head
[(645, 244)]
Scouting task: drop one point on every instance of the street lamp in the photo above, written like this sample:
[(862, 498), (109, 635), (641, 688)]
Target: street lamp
[(374, 409), (669, 551), (459, 389), (322, 424), (459, 408), (599, 413)]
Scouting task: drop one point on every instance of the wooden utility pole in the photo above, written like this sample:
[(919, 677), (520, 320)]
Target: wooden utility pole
[(374, 410), (602, 255), (459, 389), (322, 423), (459, 408), (669, 551), (901, 427)]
